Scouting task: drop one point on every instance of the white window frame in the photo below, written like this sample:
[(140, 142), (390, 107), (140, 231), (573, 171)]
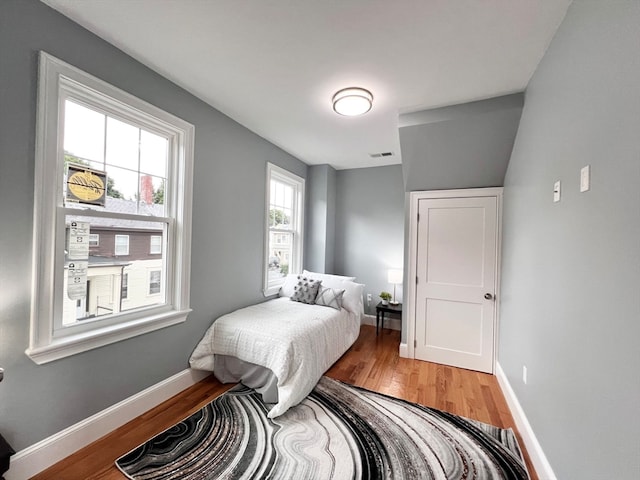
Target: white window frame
[(94, 240), (297, 224), (57, 82), (149, 292), (158, 247), (125, 250)]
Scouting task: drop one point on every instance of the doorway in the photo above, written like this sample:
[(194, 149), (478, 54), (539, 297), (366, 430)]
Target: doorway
[(454, 260)]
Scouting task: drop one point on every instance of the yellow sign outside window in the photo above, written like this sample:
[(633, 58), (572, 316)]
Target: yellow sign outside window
[(85, 185)]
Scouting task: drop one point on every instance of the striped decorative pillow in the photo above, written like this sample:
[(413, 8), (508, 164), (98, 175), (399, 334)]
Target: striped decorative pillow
[(329, 297)]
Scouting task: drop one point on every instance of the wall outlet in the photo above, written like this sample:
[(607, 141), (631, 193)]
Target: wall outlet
[(368, 299), (524, 374)]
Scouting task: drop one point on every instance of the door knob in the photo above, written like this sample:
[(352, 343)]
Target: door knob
[(488, 296)]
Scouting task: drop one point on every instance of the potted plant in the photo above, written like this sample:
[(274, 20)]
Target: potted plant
[(385, 296)]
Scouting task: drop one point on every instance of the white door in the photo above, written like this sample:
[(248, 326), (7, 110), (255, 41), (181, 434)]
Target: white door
[(456, 281)]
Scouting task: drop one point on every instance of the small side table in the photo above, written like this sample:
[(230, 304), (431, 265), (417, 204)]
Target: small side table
[(382, 309)]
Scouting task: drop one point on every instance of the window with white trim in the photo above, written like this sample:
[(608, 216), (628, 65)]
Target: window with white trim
[(284, 221), (155, 244), (121, 245), (106, 161), (94, 240), (124, 287), (155, 278)]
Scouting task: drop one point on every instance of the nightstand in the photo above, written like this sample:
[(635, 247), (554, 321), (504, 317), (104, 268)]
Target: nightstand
[(382, 309)]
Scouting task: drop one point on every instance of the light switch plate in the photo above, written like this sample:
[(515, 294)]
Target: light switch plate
[(556, 191), (585, 178)]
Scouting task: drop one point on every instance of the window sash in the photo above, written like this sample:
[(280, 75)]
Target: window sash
[(61, 331)]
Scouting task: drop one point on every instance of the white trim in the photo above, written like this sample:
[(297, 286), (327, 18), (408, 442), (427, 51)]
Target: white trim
[(115, 247), (63, 347), (538, 458), (40, 456), (403, 351), (58, 81), (414, 197), (390, 323)]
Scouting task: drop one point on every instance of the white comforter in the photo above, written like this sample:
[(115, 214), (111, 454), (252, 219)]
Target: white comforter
[(296, 341)]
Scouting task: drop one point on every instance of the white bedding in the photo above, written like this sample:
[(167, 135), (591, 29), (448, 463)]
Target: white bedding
[(296, 341)]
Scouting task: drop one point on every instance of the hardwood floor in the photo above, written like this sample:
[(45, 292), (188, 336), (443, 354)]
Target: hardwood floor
[(372, 362)]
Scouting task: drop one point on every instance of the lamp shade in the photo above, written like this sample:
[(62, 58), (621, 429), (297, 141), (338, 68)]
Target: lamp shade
[(395, 276)]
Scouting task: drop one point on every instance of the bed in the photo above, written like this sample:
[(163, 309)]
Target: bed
[(282, 347)]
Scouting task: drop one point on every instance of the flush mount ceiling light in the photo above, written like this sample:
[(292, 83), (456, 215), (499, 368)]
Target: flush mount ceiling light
[(352, 101)]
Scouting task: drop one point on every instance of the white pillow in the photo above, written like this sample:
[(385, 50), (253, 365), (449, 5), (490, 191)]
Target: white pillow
[(287, 288), (331, 281), (352, 298)]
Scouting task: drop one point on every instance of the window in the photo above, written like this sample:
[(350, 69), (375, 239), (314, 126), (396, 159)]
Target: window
[(155, 244), (154, 282), (94, 240), (284, 220), (124, 286), (106, 161), (122, 245)]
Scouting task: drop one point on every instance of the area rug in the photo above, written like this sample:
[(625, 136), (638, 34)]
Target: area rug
[(337, 432)]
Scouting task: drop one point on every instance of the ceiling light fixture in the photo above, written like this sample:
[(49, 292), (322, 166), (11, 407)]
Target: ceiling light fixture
[(352, 101)]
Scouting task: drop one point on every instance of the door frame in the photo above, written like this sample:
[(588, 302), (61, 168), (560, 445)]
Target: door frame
[(407, 350)]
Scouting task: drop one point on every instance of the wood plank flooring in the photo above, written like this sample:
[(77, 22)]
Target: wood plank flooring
[(372, 362)]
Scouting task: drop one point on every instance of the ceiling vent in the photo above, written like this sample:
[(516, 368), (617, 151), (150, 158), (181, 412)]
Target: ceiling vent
[(381, 154)]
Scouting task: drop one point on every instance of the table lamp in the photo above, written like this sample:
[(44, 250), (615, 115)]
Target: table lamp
[(394, 277)]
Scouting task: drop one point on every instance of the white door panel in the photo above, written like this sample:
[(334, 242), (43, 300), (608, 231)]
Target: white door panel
[(456, 268), (455, 245)]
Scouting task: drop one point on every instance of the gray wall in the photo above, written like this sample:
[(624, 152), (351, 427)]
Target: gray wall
[(570, 307), (320, 220), (460, 146), (370, 227), (228, 210)]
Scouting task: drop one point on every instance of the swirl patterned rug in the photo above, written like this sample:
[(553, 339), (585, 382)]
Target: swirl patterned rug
[(337, 432)]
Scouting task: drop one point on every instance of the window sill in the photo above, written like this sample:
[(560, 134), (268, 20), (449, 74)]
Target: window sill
[(66, 346), (270, 292)]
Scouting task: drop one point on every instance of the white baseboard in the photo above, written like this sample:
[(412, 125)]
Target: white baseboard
[(40, 456), (391, 323), (538, 458), (403, 351)]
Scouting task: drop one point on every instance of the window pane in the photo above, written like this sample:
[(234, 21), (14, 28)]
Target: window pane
[(123, 142), (116, 274), (281, 205), (122, 183), (151, 195), (280, 248), (124, 290), (153, 154), (156, 244), (83, 135), (154, 282)]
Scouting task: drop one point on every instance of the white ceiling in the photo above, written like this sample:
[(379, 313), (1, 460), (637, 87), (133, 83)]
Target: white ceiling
[(274, 65)]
